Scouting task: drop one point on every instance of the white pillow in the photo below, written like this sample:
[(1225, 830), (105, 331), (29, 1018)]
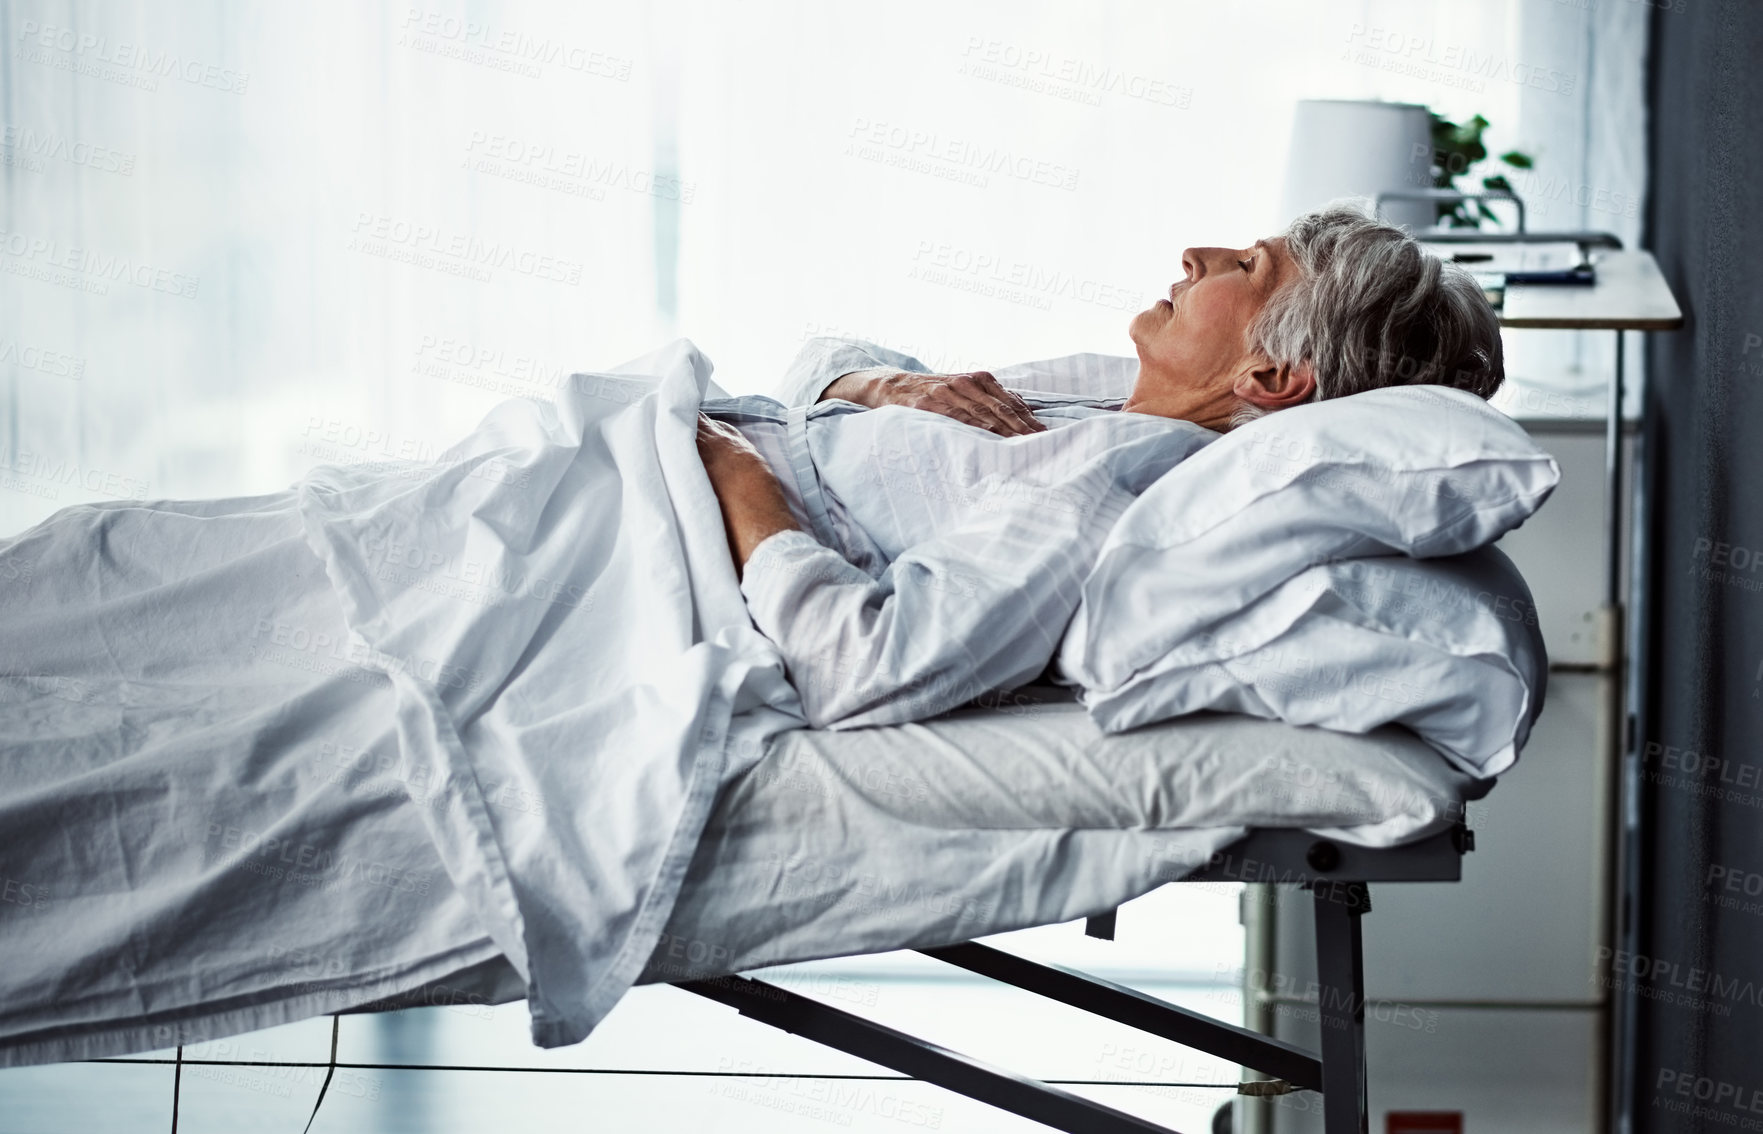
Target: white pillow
[(1420, 470), (1449, 647)]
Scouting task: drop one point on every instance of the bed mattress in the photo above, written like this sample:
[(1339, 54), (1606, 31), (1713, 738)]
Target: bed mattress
[(1016, 814)]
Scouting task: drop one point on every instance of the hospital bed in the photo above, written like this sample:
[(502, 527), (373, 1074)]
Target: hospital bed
[(1017, 813), (1020, 813), (493, 785)]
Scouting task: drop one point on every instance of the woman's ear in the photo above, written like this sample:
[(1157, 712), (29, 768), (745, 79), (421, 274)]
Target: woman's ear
[(1273, 386)]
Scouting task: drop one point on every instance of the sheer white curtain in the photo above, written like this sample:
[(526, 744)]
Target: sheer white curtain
[(992, 182), (240, 240), (269, 236)]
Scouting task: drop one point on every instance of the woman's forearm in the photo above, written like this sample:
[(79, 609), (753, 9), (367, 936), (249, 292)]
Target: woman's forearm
[(752, 502), (751, 515), (858, 386)]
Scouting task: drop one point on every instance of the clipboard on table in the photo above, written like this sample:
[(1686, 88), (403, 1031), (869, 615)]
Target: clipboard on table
[(1554, 262)]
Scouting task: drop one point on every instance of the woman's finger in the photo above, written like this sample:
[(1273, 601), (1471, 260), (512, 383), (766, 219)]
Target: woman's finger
[(1009, 404), (961, 399), (994, 411), (996, 416)]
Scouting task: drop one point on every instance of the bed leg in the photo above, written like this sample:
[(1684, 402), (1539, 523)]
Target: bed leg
[(1340, 964)]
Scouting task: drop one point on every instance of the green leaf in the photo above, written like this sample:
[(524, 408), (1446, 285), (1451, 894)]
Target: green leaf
[(1517, 160)]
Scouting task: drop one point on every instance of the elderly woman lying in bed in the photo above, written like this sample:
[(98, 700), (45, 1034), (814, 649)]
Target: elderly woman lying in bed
[(296, 752), (988, 530)]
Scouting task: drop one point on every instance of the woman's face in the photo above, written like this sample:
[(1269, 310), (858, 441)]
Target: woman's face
[(1194, 357)]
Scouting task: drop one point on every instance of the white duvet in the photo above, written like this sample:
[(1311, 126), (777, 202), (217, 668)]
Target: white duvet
[(538, 638)]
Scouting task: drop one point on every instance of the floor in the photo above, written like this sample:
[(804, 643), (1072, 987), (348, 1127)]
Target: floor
[(667, 1060)]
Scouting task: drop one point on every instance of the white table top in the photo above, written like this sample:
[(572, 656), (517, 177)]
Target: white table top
[(1630, 295)]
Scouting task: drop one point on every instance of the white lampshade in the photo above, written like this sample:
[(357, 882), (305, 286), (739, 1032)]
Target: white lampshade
[(1346, 148)]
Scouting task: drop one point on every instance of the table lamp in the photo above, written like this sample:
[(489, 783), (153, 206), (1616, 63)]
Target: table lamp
[(1359, 148)]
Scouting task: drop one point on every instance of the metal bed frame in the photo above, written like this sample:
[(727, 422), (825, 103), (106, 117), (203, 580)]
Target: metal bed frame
[(1337, 874)]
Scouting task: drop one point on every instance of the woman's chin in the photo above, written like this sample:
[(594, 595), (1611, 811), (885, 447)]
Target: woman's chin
[(1152, 316)]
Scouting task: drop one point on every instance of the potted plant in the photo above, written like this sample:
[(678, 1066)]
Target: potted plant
[(1456, 149)]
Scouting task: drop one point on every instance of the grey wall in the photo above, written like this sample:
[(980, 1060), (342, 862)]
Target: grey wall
[(1695, 979)]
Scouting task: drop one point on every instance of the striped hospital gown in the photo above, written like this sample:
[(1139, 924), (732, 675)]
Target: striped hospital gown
[(937, 561)]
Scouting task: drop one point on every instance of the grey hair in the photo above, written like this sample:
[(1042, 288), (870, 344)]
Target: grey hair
[(1371, 308)]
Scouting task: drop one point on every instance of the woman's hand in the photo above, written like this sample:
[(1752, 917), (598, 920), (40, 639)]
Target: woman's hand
[(753, 504), (974, 397)]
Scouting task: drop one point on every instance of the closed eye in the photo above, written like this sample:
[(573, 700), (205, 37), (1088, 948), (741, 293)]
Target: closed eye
[(1246, 265)]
